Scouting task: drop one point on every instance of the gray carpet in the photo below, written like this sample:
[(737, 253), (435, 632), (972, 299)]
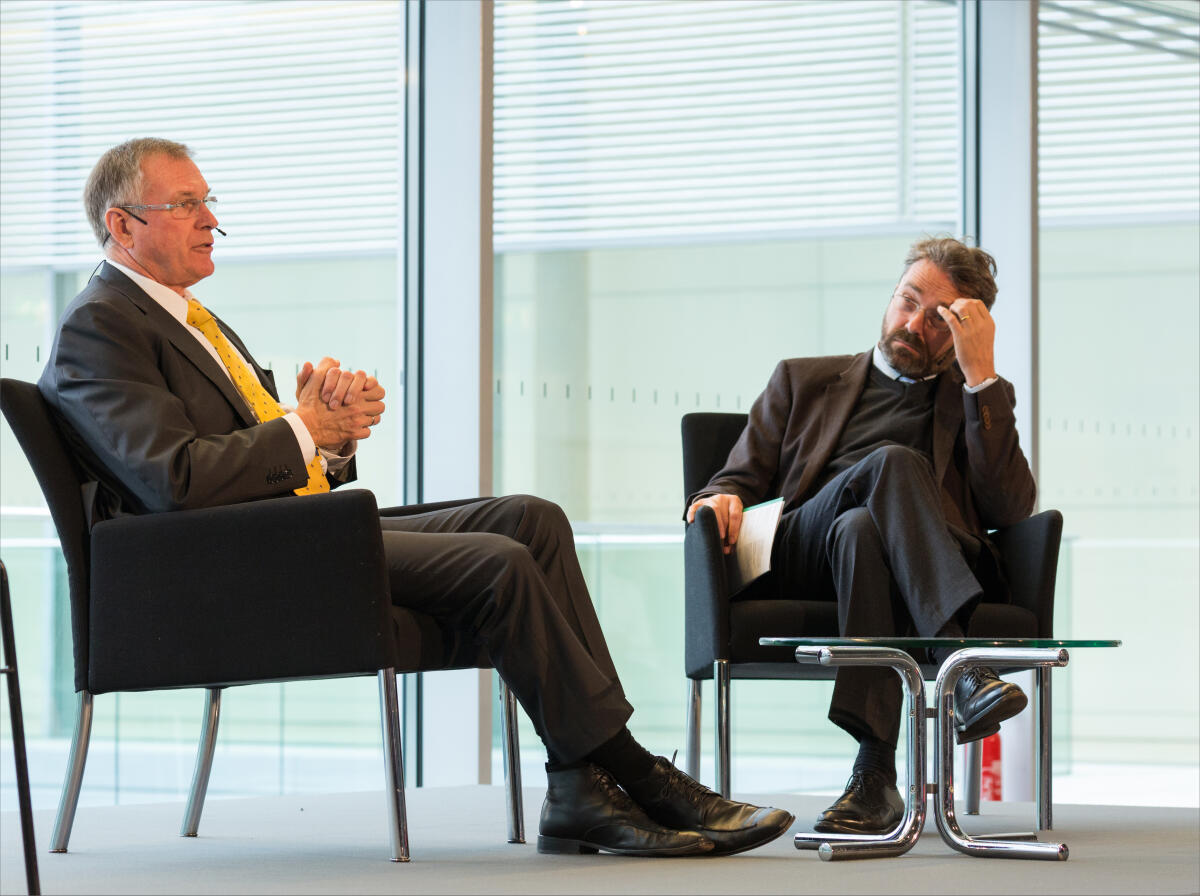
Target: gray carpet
[(338, 844)]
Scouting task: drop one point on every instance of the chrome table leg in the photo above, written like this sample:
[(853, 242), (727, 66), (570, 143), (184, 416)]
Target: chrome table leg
[(993, 846), (833, 847)]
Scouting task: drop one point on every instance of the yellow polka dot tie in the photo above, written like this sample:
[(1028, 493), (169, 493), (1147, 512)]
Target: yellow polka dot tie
[(261, 403)]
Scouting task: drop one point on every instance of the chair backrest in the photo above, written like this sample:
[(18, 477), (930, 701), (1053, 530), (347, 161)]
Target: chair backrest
[(707, 441), (60, 478)]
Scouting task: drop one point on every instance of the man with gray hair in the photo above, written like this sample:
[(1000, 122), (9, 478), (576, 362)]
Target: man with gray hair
[(893, 465), (167, 410)]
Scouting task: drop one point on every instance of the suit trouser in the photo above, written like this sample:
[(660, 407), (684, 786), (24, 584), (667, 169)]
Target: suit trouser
[(504, 571), (876, 539)]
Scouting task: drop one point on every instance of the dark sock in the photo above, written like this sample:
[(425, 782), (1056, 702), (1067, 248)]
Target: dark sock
[(623, 758), (555, 763), (875, 755), (950, 630)]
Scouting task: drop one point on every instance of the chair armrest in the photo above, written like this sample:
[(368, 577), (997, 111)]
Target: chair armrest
[(266, 590), (706, 596), (1029, 559)]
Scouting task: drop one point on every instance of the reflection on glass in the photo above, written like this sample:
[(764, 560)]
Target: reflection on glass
[(710, 188), (295, 113), (1119, 385)]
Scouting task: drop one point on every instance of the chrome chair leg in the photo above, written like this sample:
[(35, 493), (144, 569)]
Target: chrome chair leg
[(722, 757), (204, 758), (514, 798), (973, 765), (393, 763), (692, 753), (1043, 766), (73, 781)]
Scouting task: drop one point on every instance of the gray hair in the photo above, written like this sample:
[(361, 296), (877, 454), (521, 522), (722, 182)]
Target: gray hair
[(117, 178)]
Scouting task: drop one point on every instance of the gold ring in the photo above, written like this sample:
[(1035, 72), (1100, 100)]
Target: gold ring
[(964, 318)]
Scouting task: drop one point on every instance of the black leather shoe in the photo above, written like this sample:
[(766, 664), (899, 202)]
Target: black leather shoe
[(981, 702), (870, 804), (586, 812), (678, 801)]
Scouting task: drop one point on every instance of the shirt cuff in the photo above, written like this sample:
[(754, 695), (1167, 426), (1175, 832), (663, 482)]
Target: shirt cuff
[(307, 446), (980, 386), (335, 462)]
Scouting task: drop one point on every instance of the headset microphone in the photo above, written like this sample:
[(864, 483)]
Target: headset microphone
[(219, 230)]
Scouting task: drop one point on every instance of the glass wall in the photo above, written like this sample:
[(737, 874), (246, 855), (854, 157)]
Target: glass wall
[(685, 193), (295, 112), (1119, 385)]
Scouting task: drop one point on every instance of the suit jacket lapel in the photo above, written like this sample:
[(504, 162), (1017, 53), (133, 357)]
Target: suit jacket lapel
[(179, 337)]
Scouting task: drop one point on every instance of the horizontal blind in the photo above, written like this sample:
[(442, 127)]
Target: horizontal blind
[(648, 121), (1119, 110), (294, 111)]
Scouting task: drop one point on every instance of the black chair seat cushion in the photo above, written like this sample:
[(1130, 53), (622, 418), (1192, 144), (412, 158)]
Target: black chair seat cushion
[(268, 590)]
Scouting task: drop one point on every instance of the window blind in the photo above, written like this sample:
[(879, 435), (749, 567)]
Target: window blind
[(1119, 109), (294, 111), (649, 121)]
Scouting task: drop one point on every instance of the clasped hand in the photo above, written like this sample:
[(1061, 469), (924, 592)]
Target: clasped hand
[(338, 406)]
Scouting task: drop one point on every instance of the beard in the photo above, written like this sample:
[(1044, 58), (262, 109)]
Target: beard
[(916, 364)]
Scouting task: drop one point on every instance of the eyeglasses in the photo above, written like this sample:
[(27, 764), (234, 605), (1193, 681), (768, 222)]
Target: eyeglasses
[(187, 208), (910, 306)]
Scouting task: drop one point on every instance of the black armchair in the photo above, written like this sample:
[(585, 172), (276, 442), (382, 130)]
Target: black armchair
[(234, 595), (721, 635)]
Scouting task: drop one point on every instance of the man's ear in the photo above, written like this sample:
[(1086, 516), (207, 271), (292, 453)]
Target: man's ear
[(117, 223)]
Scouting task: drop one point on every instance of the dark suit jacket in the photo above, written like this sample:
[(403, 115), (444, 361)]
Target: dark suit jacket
[(794, 426), (153, 418)]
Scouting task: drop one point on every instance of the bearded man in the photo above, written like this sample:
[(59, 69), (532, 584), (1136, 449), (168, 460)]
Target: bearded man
[(893, 464)]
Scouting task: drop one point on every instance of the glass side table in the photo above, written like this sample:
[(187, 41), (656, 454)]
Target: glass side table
[(1041, 654)]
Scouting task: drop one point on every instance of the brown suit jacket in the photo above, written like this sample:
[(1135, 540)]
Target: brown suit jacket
[(154, 420), (795, 424)]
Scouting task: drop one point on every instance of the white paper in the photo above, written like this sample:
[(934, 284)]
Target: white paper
[(751, 556)]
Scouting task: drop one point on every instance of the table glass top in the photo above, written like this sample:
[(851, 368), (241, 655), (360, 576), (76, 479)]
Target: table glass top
[(905, 643)]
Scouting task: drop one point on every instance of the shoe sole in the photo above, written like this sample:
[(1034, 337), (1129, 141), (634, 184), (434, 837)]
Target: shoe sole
[(988, 723), (970, 735), (825, 827), (567, 846)]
